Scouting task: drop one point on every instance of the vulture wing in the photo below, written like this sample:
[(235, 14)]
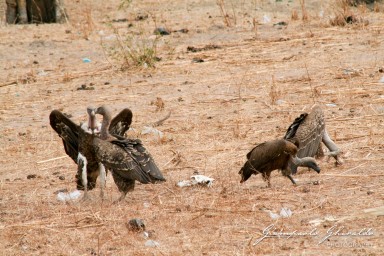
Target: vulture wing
[(121, 122), (308, 130), (68, 132), (129, 159), (266, 153), (292, 129)]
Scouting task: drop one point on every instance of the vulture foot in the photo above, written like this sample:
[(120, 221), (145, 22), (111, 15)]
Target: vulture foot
[(334, 154), (121, 198), (86, 197), (292, 180), (334, 151)]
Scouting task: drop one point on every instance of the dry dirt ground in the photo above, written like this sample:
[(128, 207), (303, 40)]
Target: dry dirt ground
[(255, 79)]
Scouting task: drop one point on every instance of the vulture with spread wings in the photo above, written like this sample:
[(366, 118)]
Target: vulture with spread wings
[(127, 159), (78, 139), (309, 131)]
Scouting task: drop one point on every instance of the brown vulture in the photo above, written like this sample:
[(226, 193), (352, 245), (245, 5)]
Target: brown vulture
[(77, 141), (127, 159), (309, 130), (272, 155)]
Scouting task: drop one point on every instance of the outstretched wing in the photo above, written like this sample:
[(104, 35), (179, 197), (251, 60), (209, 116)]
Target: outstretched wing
[(121, 122), (129, 159), (308, 130), (68, 132)]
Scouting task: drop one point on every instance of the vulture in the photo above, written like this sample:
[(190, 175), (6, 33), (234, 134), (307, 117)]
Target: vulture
[(127, 159), (77, 141), (309, 130), (272, 155)]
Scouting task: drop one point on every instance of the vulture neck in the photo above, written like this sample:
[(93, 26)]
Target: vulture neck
[(104, 131), (309, 162)]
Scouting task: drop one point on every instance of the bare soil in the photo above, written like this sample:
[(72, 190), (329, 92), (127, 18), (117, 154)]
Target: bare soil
[(255, 78)]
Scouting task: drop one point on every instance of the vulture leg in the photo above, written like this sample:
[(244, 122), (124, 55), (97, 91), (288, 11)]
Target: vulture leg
[(290, 177), (267, 178), (333, 149), (102, 180), (82, 165), (287, 173), (124, 185)]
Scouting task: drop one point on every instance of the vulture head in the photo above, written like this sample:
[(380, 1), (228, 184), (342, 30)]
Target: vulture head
[(92, 125), (107, 116)]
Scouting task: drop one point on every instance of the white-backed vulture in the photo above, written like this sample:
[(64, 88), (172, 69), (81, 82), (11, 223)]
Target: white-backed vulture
[(127, 159), (77, 141), (272, 155), (309, 130)]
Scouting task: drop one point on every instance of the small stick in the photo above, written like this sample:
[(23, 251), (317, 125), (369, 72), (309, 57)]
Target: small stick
[(348, 170), (161, 121), (85, 226), (8, 83), (52, 159)]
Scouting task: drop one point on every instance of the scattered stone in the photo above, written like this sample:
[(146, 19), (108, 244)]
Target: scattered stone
[(85, 87), (136, 225), (151, 243), (161, 31), (61, 177), (183, 30), (370, 192), (149, 234), (141, 17), (120, 20), (281, 23), (197, 60), (31, 176)]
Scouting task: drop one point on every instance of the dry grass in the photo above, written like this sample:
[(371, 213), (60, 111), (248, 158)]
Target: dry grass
[(220, 109), (224, 14)]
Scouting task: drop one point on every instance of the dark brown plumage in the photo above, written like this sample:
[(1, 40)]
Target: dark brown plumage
[(127, 159), (309, 130), (77, 141), (272, 155)]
